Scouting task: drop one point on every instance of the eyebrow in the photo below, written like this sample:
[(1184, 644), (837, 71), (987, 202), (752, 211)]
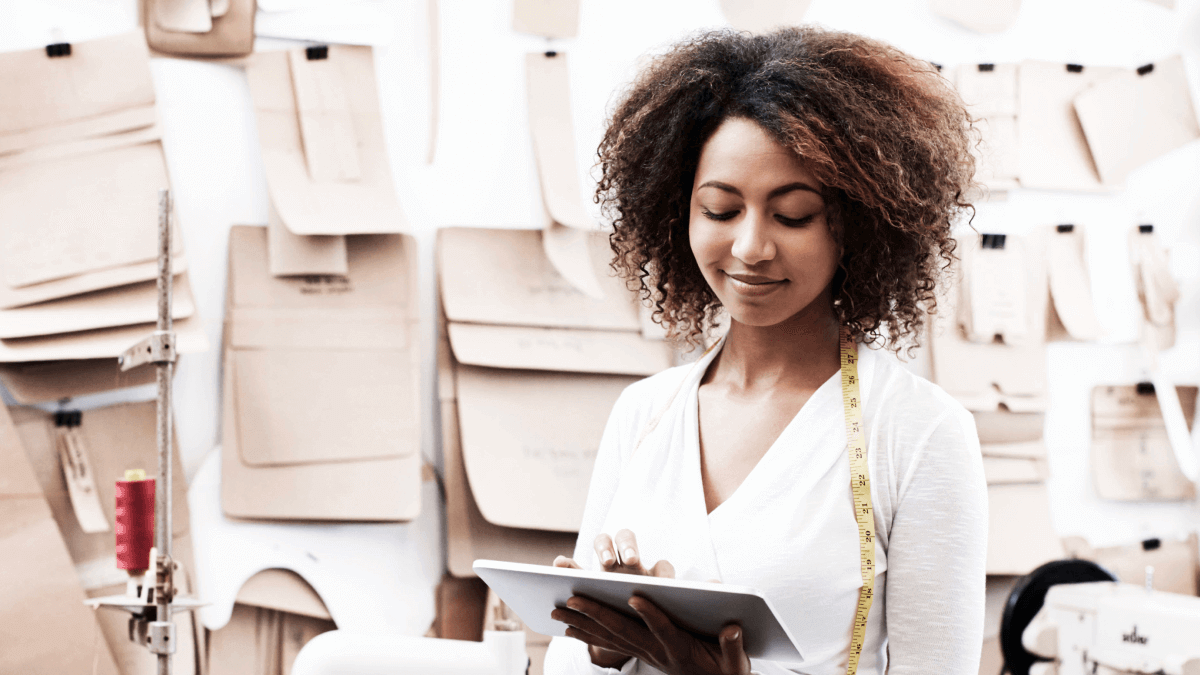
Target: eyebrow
[(781, 190)]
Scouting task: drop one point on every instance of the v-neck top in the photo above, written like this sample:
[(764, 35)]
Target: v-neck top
[(789, 529)]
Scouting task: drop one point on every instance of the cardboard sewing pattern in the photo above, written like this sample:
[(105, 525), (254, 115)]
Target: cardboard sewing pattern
[(567, 227), (298, 254), (1157, 290), (760, 16), (1131, 455), (322, 141), (548, 18), (529, 368), (200, 27), (371, 577), (1070, 287), (1133, 117), (981, 16), (295, 446), (990, 92), (121, 306), (984, 376), (80, 170), (43, 599), (38, 381), (1021, 533), (1054, 153), (100, 343)]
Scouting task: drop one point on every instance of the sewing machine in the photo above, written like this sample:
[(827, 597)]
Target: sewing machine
[(1110, 627), (339, 652)]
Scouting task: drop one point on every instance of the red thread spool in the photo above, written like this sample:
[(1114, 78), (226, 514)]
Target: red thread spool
[(135, 522)]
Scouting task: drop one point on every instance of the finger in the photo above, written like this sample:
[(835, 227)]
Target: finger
[(660, 625), (594, 640), (714, 581), (605, 552), (733, 650), (664, 569), (620, 628), (564, 561), (583, 622), (627, 549)]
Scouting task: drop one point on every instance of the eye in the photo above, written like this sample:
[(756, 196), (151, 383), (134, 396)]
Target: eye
[(797, 222), (718, 216)]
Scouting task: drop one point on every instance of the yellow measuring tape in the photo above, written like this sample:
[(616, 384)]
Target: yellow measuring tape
[(860, 487)]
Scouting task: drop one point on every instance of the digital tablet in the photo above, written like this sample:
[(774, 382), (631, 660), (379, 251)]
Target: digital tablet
[(533, 591)]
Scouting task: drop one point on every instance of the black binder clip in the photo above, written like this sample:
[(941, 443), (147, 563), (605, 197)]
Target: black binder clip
[(58, 49), (1145, 388), (1074, 68), (1148, 68), (986, 67), (994, 241), (68, 418), (1151, 544), (1063, 229), (551, 54), (317, 53), (1145, 229)]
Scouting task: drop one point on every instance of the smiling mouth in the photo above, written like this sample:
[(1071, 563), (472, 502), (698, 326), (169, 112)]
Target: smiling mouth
[(754, 279)]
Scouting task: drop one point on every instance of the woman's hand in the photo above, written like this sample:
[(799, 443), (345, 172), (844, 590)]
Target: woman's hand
[(613, 637)]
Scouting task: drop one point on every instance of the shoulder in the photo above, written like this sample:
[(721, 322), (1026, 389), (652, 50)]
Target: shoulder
[(641, 400), (912, 411)]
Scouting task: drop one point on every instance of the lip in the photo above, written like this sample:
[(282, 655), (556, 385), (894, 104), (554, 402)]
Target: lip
[(753, 284)]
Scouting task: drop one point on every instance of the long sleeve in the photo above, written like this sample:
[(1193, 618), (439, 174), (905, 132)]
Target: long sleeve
[(568, 656), (937, 555)]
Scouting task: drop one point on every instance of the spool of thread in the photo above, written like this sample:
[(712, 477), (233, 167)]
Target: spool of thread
[(135, 521)]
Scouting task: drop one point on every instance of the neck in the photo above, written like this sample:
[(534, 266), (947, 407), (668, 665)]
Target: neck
[(799, 352)]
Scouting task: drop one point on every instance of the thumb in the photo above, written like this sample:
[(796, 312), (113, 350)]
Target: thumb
[(733, 652)]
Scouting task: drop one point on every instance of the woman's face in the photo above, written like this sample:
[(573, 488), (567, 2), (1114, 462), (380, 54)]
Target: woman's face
[(758, 229)]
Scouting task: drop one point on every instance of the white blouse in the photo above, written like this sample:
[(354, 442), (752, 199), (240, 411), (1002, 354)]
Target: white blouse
[(789, 529)]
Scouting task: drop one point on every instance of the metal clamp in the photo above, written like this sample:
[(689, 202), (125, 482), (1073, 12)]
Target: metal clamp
[(160, 637), (158, 348)]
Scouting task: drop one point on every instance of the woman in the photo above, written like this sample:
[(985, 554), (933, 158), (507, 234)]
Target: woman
[(803, 182)]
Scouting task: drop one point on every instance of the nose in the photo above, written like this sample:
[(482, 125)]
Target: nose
[(752, 243)]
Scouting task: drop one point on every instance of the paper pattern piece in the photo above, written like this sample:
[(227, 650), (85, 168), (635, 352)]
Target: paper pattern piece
[(1176, 562), (1134, 117), (284, 591), (39, 381), (1132, 458), (331, 122), (535, 367), (295, 346), (200, 27), (1054, 153), (990, 92), (1070, 288), (552, 130), (1156, 288), (43, 600), (981, 16), (997, 295), (760, 16), (371, 577), (1021, 533), (259, 641), (100, 343), (80, 170), (986, 376), (123, 306), (548, 18), (299, 254)]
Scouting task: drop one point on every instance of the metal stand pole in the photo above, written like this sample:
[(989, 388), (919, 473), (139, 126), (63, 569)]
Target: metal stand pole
[(165, 371), (159, 349)]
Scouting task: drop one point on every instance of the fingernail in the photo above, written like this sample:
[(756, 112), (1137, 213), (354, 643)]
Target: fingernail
[(736, 634), (630, 554), (606, 557), (635, 608)]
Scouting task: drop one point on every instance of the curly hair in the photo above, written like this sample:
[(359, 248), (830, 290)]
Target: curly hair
[(886, 135)]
